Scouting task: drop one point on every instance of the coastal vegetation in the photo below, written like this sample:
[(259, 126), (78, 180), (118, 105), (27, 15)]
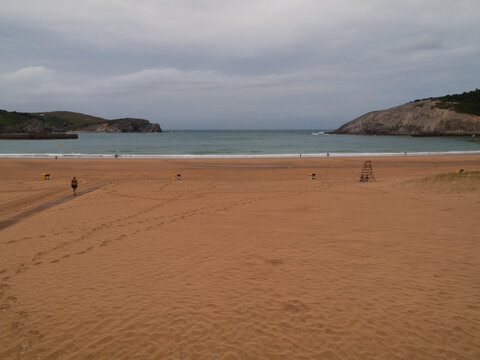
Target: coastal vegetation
[(450, 182), (70, 121), (66, 121), (466, 103), (14, 119)]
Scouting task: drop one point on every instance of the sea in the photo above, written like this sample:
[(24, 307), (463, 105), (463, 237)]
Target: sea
[(235, 144)]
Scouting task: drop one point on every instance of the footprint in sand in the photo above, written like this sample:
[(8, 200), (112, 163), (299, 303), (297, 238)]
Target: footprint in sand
[(3, 287), (22, 314), (20, 268), (61, 245), (65, 256), (54, 261), (295, 306), (4, 307), (15, 326), (23, 347), (275, 261), (37, 256)]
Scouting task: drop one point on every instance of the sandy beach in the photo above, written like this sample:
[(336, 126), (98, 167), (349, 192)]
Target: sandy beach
[(240, 259)]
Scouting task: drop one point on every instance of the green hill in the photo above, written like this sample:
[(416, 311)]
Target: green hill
[(63, 121), (18, 122), (70, 121)]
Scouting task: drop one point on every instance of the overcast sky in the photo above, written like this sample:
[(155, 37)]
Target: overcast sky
[(205, 64)]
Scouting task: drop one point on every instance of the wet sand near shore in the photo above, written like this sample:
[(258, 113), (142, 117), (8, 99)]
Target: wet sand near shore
[(241, 259)]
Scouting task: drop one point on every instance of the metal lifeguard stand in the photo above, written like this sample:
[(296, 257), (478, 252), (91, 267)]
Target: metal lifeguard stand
[(367, 172)]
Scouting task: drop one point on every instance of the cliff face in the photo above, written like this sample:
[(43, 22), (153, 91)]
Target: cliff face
[(421, 118)]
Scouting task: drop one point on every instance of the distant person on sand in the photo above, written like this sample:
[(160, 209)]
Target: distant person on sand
[(74, 185)]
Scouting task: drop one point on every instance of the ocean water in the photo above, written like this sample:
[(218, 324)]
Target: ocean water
[(236, 143)]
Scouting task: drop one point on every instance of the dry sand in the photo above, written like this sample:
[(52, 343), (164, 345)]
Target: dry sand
[(241, 259)]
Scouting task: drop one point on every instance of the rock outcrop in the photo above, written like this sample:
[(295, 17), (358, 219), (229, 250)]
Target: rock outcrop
[(417, 118), (123, 125)]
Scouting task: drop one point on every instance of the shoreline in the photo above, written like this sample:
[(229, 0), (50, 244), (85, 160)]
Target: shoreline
[(236, 156)]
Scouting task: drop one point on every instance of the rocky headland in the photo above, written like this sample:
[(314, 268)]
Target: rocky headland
[(122, 125), (65, 124), (452, 115)]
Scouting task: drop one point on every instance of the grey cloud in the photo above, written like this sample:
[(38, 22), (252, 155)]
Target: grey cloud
[(195, 63), (422, 44)]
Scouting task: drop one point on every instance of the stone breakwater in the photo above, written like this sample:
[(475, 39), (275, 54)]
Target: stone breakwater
[(37, 136)]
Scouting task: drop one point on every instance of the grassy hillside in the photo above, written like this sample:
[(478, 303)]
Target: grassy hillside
[(15, 121), (62, 121), (12, 121), (69, 120), (466, 103)]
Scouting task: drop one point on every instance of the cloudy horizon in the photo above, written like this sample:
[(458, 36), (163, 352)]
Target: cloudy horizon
[(205, 64)]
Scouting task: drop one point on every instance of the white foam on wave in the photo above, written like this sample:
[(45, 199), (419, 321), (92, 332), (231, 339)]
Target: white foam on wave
[(234, 156)]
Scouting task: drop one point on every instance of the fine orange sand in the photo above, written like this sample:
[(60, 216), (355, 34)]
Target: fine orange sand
[(241, 259)]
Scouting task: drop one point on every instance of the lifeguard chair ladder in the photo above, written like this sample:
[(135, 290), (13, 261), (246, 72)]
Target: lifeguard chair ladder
[(367, 172)]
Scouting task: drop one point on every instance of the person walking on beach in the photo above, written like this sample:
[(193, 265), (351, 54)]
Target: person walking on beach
[(74, 185)]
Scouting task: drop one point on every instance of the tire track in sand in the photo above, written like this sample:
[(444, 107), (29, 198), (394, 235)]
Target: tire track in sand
[(27, 338), (16, 218)]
